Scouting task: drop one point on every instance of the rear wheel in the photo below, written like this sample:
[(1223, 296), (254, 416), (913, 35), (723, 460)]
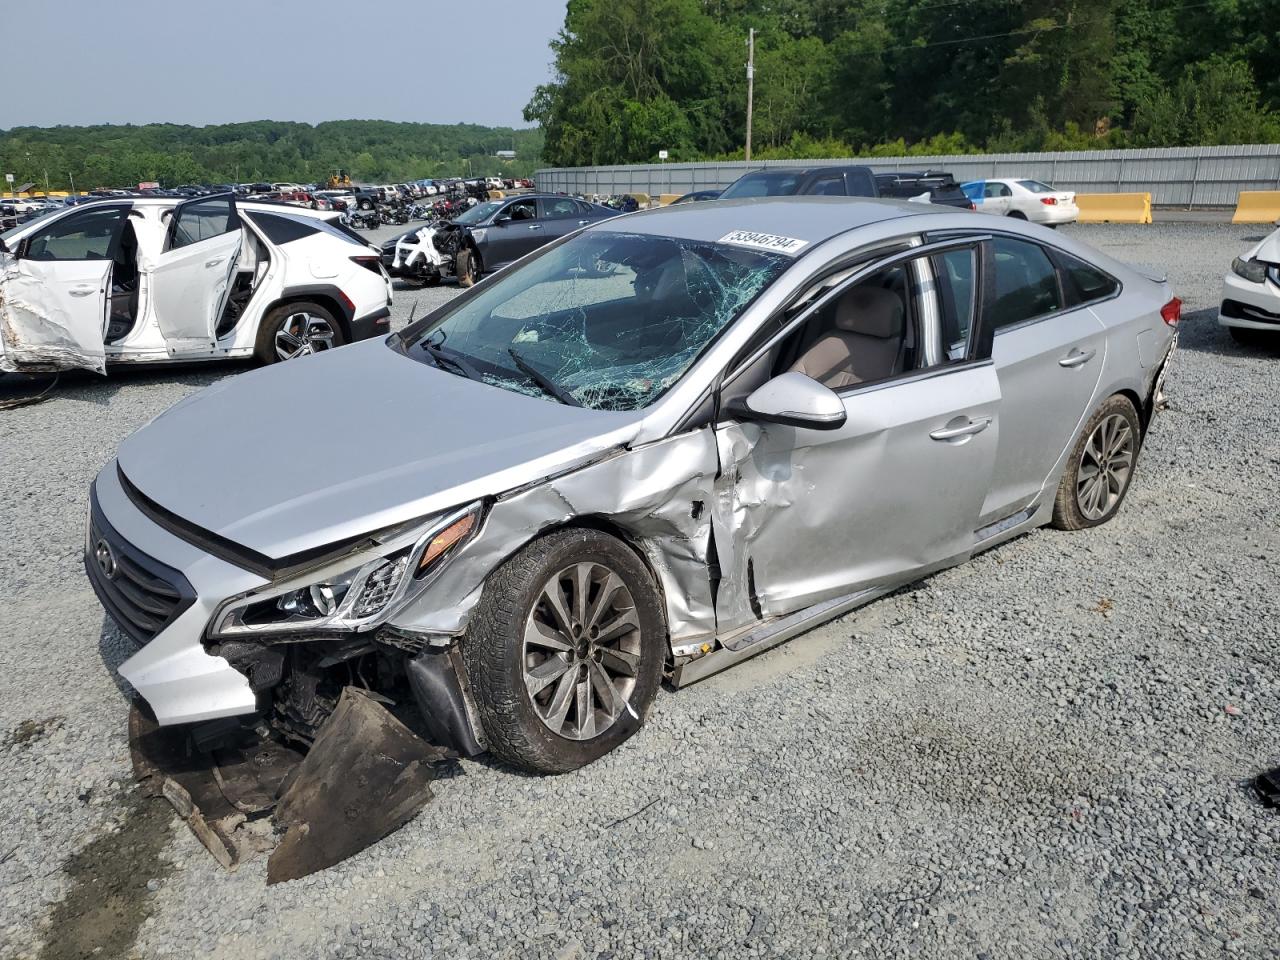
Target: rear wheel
[(564, 652), (296, 330), (1101, 467), (1017, 215)]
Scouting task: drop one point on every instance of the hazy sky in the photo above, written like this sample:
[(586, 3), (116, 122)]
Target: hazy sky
[(219, 61)]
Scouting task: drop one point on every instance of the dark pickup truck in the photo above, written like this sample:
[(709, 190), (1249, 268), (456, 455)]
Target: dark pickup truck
[(941, 187), (828, 181)]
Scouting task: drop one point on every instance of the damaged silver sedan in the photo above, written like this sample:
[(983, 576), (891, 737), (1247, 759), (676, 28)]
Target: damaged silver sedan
[(652, 449)]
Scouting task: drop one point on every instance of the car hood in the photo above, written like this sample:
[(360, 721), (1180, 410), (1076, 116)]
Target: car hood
[(314, 451)]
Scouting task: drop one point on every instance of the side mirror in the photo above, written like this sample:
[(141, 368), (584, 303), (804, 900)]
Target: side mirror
[(502, 218), (793, 400)]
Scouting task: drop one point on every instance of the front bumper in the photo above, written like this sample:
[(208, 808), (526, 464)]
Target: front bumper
[(1253, 306), (172, 670)]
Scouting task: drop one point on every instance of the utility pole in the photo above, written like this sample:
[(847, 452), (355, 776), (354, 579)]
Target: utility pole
[(751, 83)]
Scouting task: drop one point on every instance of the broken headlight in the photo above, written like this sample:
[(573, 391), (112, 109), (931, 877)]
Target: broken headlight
[(1251, 270), (354, 593)]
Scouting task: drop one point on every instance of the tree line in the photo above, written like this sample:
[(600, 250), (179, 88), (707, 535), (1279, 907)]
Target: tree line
[(894, 77), (372, 151)]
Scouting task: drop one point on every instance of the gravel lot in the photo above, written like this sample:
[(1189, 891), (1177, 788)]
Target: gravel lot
[(1043, 753)]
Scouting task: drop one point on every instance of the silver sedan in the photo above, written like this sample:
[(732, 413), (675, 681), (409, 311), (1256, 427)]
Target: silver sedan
[(653, 448)]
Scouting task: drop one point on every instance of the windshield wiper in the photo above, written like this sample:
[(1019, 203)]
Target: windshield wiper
[(542, 380), (442, 356)]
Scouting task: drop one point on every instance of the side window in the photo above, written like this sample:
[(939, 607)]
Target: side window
[(81, 236), (560, 208), (956, 272), (202, 220), (1084, 283), (829, 185), (1026, 283), (283, 229), (861, 183), (863, 334), (522, 210)]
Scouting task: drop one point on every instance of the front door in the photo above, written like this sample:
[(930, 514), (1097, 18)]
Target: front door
[(516, 231), (192, 278), (1049, 358), (54, 289), (809, 515)]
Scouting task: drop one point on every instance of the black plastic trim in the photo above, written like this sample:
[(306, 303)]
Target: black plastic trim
[(154, 568)]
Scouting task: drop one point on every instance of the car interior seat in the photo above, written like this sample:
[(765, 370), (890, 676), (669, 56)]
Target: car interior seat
[(866, 340)]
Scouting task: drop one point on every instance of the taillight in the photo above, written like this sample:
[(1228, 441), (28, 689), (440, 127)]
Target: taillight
[(973, 206), (369, 263), (1049, 201), (1171, 312)]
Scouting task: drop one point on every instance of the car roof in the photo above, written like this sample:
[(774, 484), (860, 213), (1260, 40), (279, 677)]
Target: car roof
[(807, 218)]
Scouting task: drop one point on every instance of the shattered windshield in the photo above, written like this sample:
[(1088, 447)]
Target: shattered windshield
[(607, 321)]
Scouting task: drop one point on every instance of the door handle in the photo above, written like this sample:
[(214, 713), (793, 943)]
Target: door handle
[(583, 223), (1077, 358), (214, 262), (966, 429), (535, 226), (83, 291)]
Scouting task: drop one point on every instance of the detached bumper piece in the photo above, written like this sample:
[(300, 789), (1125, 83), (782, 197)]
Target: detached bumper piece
[(1267, 786), (365, 776)]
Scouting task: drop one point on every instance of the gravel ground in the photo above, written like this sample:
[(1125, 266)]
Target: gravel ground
[(1043, 753)]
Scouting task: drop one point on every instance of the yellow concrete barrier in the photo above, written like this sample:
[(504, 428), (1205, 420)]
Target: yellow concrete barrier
[(1114, 207), (1257, 206), (667, 199)]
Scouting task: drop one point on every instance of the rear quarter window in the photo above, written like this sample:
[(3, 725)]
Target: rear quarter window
[(280, 230)]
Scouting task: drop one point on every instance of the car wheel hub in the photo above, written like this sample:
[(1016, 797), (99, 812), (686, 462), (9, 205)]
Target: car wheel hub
[(581, 651), (302, 334), (1105, 466)]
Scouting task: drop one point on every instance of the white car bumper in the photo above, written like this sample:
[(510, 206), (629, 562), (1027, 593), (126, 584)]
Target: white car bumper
[(1254, 306), (172, 671), (1058, 213)]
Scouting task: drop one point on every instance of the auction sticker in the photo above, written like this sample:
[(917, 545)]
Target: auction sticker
[(764, 241)]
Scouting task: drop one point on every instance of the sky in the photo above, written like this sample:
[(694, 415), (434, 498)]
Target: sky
[(220, 61)]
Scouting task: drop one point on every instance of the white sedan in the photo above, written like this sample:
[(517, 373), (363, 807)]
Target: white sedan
[(1023, 200), (1251, 292)]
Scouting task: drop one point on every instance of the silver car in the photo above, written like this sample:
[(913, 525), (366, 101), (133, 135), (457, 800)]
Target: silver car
[(652, 449)]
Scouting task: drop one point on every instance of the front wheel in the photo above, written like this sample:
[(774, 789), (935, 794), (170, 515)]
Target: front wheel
[(565, 650), (296, 330), (1100, 470)]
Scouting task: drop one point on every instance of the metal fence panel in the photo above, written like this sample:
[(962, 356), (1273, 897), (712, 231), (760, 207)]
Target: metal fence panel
[(1174, 176)]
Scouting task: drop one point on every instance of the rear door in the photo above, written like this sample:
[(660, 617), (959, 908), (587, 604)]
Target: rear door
[(191, 281), (997, 198), (54, 292), (1048, 355), (560, 216)]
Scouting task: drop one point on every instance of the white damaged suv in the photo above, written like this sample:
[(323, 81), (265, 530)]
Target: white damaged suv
[(140, 279)]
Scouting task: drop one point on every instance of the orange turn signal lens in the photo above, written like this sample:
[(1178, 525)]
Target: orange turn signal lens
[(445, 540)]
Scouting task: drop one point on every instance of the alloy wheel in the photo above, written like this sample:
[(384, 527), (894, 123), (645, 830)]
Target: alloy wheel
[(302, 334), (1105, 466), (581, 651)]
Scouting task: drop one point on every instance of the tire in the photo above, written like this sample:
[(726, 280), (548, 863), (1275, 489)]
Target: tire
[(324, 331), (1080, 503), (468, 267), (1017, 215), (501, 666)]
